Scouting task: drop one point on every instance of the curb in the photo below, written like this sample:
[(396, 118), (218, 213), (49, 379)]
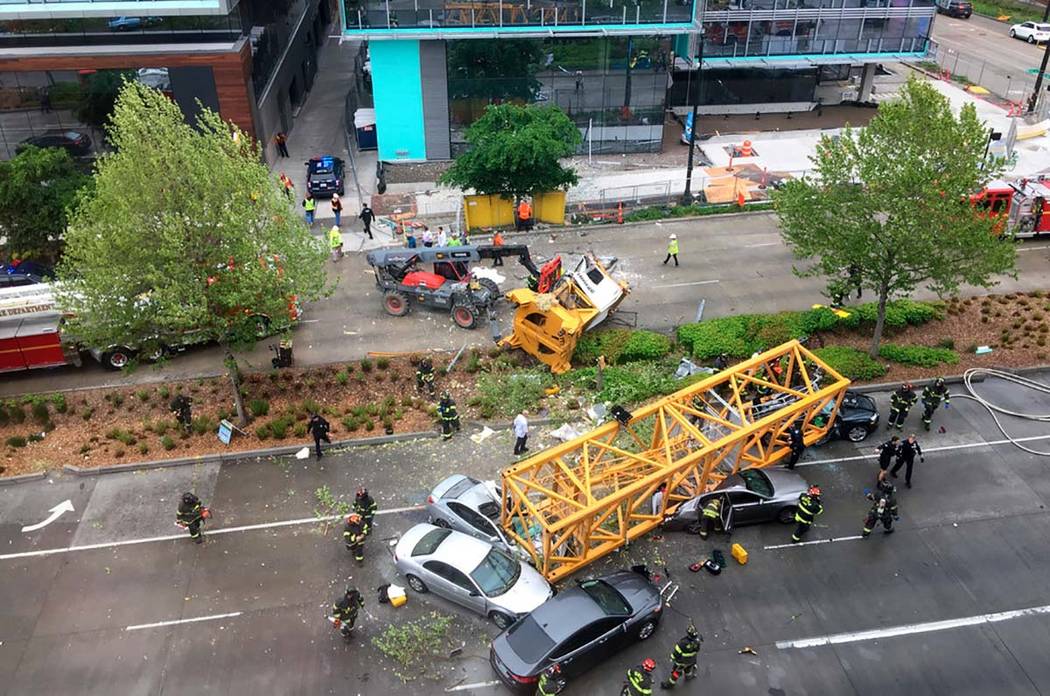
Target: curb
[(23, 478), (892, 386)]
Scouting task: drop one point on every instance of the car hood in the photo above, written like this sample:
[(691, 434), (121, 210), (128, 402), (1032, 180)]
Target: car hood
[(635, 588), (530, 591), (785, 483)]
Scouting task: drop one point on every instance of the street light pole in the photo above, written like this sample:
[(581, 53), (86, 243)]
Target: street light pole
[(687, 196), (1034, 100)]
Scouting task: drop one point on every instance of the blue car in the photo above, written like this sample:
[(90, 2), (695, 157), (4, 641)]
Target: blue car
[(131, 23)]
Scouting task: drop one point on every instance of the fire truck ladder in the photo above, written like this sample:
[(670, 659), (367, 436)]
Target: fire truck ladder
[(578, 501)]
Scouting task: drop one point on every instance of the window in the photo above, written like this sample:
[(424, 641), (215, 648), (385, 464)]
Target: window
[(603, 594), (475, 520), (460, 487), (497, 573), (758, 482), (586, 635), (743, 498), (447, 572), (430, 541), (528, 640)]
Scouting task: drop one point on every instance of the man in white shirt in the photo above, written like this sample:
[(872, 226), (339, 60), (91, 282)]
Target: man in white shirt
[(442, 237), (521, 431)]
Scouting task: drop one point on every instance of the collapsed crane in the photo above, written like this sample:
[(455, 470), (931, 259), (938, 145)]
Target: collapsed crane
[(578, 501)]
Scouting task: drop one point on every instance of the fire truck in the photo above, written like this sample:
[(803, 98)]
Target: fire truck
[(1023, 205), (30, 330)]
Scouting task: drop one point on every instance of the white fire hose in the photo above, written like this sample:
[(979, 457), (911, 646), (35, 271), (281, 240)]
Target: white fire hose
[(995, 410)]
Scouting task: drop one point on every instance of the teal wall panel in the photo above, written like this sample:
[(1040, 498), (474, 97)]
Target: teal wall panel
[(397, 91)]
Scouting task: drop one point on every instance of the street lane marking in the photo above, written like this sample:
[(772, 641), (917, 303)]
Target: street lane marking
[(139, 627), (56, 512), (814, 541), (909, 629), (763, 244), (1033, 248), (942, 448), (682, 285), (170, 537), (467, 687)]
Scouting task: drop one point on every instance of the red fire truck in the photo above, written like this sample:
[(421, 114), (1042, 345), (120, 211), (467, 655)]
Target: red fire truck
[(1023, 205), (30, 330)]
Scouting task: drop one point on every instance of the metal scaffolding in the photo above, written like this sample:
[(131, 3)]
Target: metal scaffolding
[(576, 502)]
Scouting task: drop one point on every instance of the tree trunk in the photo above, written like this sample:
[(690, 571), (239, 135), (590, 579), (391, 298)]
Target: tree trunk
[(880, 320), (235, 382)]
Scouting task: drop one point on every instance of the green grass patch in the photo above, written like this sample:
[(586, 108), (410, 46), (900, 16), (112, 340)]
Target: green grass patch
[(851, 363), (1015, 11), (920, 356)]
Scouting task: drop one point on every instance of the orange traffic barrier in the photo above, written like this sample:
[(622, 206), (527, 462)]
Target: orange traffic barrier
[(745, 149), (619, 213)]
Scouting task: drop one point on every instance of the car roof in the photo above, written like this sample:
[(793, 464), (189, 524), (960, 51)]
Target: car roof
[(566, 612), (442, 488), (459, 550)]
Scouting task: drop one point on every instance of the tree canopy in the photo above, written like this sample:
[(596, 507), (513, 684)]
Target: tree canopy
[(891, 203), (515, 150)]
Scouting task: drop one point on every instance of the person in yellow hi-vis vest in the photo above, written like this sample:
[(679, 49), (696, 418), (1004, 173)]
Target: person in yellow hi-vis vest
[(335, 241), (672, 250)]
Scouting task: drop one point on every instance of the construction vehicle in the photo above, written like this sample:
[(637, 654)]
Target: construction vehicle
[(1023, 206), (453, 284), (551, 316), (578, 501)]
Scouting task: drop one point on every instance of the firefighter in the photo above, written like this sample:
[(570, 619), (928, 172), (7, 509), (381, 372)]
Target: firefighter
[(883, 509), (354, 536), (721, 362), (550, 682), (191, 515), (809, 506), (906, 458), (887, 451), (900, 403), (318, 427), (711, 516), (640, 679), (182, 407), (345, 610), (449, 416), (932, 395), (797, 443), (683, 658), (365, 506), (425, 376)]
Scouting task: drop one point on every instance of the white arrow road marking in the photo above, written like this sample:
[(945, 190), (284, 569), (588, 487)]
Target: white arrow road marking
[(139, 627), (56, 512), (468, 687)]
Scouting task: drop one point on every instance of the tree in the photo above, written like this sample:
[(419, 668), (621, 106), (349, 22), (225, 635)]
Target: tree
[(99, 95), (891, 203), (515, 150), (37, 189), (184, 233)]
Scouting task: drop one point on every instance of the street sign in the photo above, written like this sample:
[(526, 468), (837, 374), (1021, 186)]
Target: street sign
[(225, 432), (1035, 71)]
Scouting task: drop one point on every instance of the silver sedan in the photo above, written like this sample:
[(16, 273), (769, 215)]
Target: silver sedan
[(470, 572)]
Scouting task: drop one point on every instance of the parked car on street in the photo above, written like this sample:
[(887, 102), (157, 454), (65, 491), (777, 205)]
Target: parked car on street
[(13, 275), (75, 143), (132, 23), (857, 418), (955, 8), (577, 628), (751, 496), (472, 507), (324, 176), (1032, 32), (470, 572)]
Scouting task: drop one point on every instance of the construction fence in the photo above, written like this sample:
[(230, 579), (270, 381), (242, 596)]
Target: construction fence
[(1014, 86)]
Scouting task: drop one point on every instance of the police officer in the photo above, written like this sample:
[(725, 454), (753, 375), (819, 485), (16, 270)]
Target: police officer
[(640, 679), (906, 458), (318, 427), (809, 506), (551, 682), (797, 443), (191, 515), (354, 536), (182, 407), (365, 506), (425, 376), (900, 403), (712, 514), (932, 395), (449, 416), (887, 451), (683, 658), (883, 509), (345, 610)]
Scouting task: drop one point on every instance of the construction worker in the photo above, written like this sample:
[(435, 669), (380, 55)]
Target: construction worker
[(711, 516), (318, 427), (683, 658), (672, 249), (640, 679), (550, 682), (425, 376), (797, 444), (900, 403), (887, 451), (354, 536), (335, 243), (182, 407), (906, 457), (524, 215), (932, 395), (191, 515), (309, 207), (497, 241), (365, 506), (809, 506), (345, 610), (449, 416), (883, 509)]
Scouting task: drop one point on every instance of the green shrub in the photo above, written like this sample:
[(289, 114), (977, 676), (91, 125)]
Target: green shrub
[(644, 345), (4, 418), (258, 407), (342, 377), (164, 392), (143, 448), (382, 363), (628, 384), (920, 356), (607, 342), (850, 362), (203, 425), (350, 423), (263, 431), (41, 414), (87, 413), (16, 413), (116, 400), (16, 441), (899, 313), (366, 365), (948, 343), (142, 395), (299, 430), (279, 427), (59, 400), (508, 394), (369, 425)]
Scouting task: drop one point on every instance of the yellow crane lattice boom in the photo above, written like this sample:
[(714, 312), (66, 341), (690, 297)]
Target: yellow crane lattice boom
[(578, 501)]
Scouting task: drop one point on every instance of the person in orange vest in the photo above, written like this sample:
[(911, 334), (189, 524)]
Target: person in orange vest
[(288, 186), (524, 215), (497, 241)]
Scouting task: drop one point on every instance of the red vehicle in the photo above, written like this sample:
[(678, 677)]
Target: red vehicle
[(1023, 206), (30, 330)]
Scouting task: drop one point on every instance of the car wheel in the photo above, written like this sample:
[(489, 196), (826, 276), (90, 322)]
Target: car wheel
[(416, 584), (857, 433), (464, 316), (117, 358), (1031, 39), (787, 515), (501, 620), (1013, 34), (646, 629), (438, 522), (157, 354)]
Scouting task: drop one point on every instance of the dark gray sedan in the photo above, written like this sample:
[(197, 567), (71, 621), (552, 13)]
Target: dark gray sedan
[(748, 497)]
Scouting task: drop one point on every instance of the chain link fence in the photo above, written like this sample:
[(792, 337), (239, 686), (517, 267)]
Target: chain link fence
[(1014, 86)]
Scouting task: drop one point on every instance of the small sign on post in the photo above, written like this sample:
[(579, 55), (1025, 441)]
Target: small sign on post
[(225, 431)]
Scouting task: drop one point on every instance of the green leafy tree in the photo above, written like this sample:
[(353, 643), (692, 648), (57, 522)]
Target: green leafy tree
[(99, 95), (185, 233), (37, 189), (516, 150), (891, 202)]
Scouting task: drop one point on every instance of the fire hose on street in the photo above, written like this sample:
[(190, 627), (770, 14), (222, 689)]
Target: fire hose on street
[(995, 411)]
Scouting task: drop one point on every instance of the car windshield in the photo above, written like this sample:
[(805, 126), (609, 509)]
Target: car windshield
[(757, 482), (603, 594), (461, 487), (72, 135), (325, 165), (528, 640), (496, 573), (430, 541)]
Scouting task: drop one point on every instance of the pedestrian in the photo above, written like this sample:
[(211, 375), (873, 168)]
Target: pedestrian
[(191, 515), (454, 241), (45, 100), (640, 679), (354, 536), (287, 186), (182, 407), (365, 506), (428, 237), (887, 451), (335, 241), (932, 395), (464, 238), (367, 216), (797, 444), (657, 501), (337, 209), (672, 249), (900, 403), (497, 242), (883, 509), (310, 206), (521, 432), (449, 416), (318, 427), (425, 376), (442, 237), (524, 221), (550, 682), (281, 141), (721, 362), (855, 280), (683, 657), (906, 458), (809, 506), (344, 611)]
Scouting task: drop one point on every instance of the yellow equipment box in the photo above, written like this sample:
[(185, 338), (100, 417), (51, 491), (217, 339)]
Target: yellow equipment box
[(739, 553)]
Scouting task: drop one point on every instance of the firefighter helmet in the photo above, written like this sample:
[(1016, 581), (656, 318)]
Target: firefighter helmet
[(648, 664), (554, 670), (693, 633), (814, 489), (354, 518)]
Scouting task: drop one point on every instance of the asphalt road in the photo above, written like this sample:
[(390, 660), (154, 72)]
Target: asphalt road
[(955, 602), (733, 263), (988, 40)]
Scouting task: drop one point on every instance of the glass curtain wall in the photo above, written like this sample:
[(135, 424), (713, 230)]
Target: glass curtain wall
[(815, 36), (89, 31), (614, 89)]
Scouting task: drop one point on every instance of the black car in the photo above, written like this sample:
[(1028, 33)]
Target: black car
[(577, 628), (75, 143), (857, 418), (955, 8), (324, 176), (13, 275)]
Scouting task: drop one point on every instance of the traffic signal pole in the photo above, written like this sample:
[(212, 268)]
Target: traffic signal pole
[(1034, 100)]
